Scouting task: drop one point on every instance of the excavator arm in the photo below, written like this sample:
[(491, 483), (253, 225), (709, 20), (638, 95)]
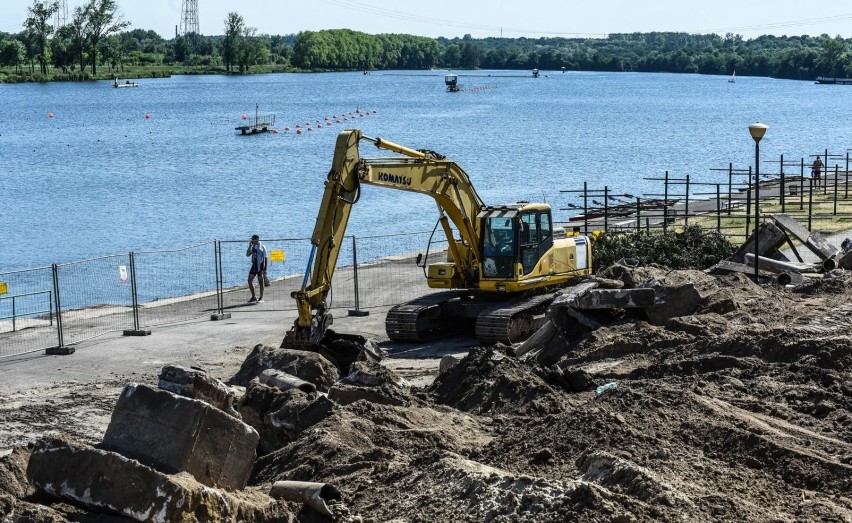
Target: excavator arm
[(423, 172)]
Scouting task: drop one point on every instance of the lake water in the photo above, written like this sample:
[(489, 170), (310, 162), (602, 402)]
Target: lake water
[(99, 178)]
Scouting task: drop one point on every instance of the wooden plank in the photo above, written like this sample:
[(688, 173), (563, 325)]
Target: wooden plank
[(770, 237)]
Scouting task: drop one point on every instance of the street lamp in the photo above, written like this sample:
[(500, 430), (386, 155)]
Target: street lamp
[(757, 130)]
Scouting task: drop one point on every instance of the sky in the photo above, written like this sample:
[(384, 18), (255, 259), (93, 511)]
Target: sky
[(484, 18)]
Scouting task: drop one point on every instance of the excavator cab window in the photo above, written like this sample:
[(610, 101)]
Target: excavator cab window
[(498, 247), (536, 238)]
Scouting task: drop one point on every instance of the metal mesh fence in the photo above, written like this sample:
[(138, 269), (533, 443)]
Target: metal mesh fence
[(175, 285), (95, 297), (27, 311)]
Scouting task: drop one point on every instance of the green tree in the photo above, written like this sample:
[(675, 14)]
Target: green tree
[(103, 19), (13, 53), (78, 32), (37, 25), (234, 28)]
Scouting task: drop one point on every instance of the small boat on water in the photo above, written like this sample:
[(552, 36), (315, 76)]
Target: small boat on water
[(126, 83), (832, 80)]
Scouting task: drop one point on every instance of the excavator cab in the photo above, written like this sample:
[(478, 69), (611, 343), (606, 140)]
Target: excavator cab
[(514, 240)]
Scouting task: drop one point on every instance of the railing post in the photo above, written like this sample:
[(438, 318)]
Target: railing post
[(136, 331), (357, 310), (810, 202), (686, 205), (836, 172), (748, 203), (60, 349), (14, 315), (638, 215), (606, 208), (666, 203), (220, 283), (730, 185), (802, 191), (718, 208), (586, 208), (782, 184), (846, 184)]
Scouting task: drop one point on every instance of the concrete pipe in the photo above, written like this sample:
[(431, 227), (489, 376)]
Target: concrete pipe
[(285, 381), (829, 264), (789, 278), (313, 495)]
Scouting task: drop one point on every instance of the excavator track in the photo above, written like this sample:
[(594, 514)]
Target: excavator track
[(514, 320), (424, 318)]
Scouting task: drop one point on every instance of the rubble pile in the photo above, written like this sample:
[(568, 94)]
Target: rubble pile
[(648, 395)]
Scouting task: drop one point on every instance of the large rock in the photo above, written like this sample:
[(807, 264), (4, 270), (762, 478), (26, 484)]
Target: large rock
[(173, 434), (678, 293), (104, 481)]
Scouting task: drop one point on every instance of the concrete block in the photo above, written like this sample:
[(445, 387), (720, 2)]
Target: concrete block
[(197, 384), (172, 434), (615, 299), (104, 481)]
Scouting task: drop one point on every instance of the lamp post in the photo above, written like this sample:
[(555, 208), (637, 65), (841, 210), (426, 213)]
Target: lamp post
[(757, 130)]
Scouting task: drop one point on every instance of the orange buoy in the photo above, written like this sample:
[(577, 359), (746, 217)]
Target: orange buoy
[(147, 116), (286, 128), (245, 117), (298, 131), (50, 115), (275, 131)]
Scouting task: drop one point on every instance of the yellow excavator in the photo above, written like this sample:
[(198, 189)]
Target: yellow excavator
[(501, 273)]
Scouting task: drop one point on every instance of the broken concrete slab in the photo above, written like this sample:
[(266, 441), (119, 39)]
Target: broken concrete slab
[(105, 481), (615, 299), (768, 236), (172, 434), (812, 240), (197, 384), (372, 374)]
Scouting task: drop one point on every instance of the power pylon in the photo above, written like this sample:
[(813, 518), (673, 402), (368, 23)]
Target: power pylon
[(62, 14), (189, 17)]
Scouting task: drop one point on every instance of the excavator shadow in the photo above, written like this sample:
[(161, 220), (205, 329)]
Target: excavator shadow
[(452, 345)]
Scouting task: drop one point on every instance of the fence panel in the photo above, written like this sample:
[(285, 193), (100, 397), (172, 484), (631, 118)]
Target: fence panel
[(289, 256), (176, 285), (387, 270), (27, 313), (95, 297)]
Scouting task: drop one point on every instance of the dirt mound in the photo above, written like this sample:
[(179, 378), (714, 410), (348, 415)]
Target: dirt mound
[(740, 411)]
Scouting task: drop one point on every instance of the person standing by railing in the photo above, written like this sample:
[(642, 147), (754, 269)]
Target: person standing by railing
[(258, 252), (816, 170)]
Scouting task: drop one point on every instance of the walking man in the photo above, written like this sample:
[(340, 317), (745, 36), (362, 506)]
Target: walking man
[(258, 253)]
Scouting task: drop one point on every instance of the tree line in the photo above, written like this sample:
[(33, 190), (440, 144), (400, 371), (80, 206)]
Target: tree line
[(97, 36)]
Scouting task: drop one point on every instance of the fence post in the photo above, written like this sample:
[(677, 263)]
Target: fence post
[(586, 208), (14, 315), (846, 185), (220, 283), (357, 310), (60, 349), (748, 203), (802, 188), (836, 169), (810, 202), (730, 184), (136, 331), (782, 185), (686, 205), (719, 208), (606, 208), (638, 215), (666, 203)]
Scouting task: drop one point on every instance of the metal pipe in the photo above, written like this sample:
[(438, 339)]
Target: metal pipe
[(58, 305), (313, 495), (133, 294), (284, 381)]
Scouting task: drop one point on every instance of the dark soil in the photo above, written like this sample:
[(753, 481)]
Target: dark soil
[(735, 413)]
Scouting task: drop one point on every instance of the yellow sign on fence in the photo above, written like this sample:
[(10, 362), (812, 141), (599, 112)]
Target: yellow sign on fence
[(4, 288), (277, 256)]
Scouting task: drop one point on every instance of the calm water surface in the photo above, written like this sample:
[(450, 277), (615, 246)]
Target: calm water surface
[(99, 178)]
